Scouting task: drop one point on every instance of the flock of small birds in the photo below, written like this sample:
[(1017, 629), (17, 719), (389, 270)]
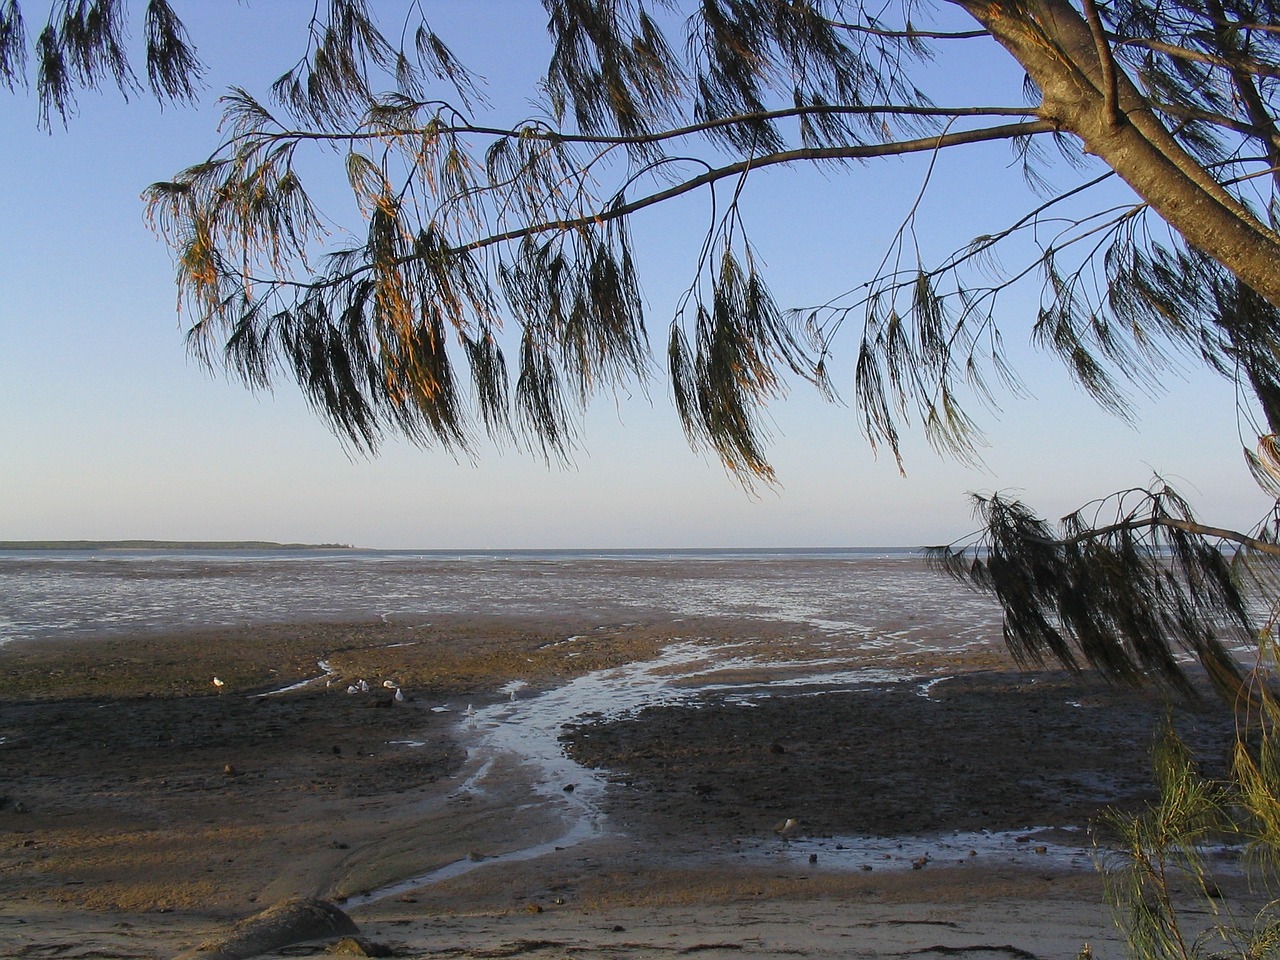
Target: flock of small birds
[(360, 686)]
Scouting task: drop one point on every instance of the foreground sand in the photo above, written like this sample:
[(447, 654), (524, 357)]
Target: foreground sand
[(142, 811)]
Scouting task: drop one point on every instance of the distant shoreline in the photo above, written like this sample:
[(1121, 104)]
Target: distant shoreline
[(166, 545)]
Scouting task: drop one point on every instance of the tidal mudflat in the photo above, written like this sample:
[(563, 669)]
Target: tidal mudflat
[(551, 785)]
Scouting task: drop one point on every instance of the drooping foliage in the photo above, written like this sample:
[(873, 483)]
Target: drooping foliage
[(1127, 585), (491, 285), (83, 44)]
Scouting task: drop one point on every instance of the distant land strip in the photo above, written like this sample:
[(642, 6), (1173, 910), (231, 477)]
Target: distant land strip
[(166, 545)]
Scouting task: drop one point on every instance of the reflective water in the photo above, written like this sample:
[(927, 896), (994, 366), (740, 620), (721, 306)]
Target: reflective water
[(876, 597)]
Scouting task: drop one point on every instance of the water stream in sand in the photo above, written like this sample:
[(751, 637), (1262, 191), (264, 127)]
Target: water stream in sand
[(528, 728)]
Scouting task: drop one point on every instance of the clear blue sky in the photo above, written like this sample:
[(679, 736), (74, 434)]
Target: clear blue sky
[(108, 430)]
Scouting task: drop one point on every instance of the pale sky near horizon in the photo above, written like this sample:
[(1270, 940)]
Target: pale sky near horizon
[(108, 430)]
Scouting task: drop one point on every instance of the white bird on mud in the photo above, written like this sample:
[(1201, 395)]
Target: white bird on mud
[(364, 686), (391, 684), (399, 697), (470, 711), (786, 829), (218, 684)]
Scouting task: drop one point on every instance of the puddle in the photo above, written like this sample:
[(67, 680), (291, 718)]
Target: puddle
[(849, 854)]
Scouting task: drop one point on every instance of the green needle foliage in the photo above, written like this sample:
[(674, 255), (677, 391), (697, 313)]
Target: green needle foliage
[(1160, 862), (489, 284), (1162, 886)]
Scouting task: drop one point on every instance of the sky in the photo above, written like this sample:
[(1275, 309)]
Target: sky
[(109, 430)]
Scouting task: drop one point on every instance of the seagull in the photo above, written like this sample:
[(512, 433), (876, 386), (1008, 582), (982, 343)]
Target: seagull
[(470, 711), (219, 684), (364, 687), (352, 688), (399, 697), (786, 829), (391, 684)]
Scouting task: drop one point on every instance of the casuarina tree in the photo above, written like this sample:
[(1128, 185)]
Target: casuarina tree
[(491, 285)]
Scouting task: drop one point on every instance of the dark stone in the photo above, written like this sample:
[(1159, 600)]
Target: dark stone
[(291, 921)]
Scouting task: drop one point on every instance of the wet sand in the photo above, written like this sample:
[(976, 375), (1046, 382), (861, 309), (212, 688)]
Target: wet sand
[(141, 810)]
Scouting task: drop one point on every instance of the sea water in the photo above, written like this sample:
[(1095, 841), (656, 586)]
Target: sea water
[(876, 595)]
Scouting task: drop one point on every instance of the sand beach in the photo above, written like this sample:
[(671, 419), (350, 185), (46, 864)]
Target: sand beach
[(144, 811)]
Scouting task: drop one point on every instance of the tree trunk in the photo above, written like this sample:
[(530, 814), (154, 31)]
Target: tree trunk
[(1054, 44)]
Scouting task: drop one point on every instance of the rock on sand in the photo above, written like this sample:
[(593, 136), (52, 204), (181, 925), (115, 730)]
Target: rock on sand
[(289, 921)]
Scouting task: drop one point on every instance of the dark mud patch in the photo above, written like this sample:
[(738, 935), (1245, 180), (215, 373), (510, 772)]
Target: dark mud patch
[(990, 750)]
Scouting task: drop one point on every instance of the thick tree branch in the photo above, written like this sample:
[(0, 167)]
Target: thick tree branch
[(1105, 61), (1053, 42)]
